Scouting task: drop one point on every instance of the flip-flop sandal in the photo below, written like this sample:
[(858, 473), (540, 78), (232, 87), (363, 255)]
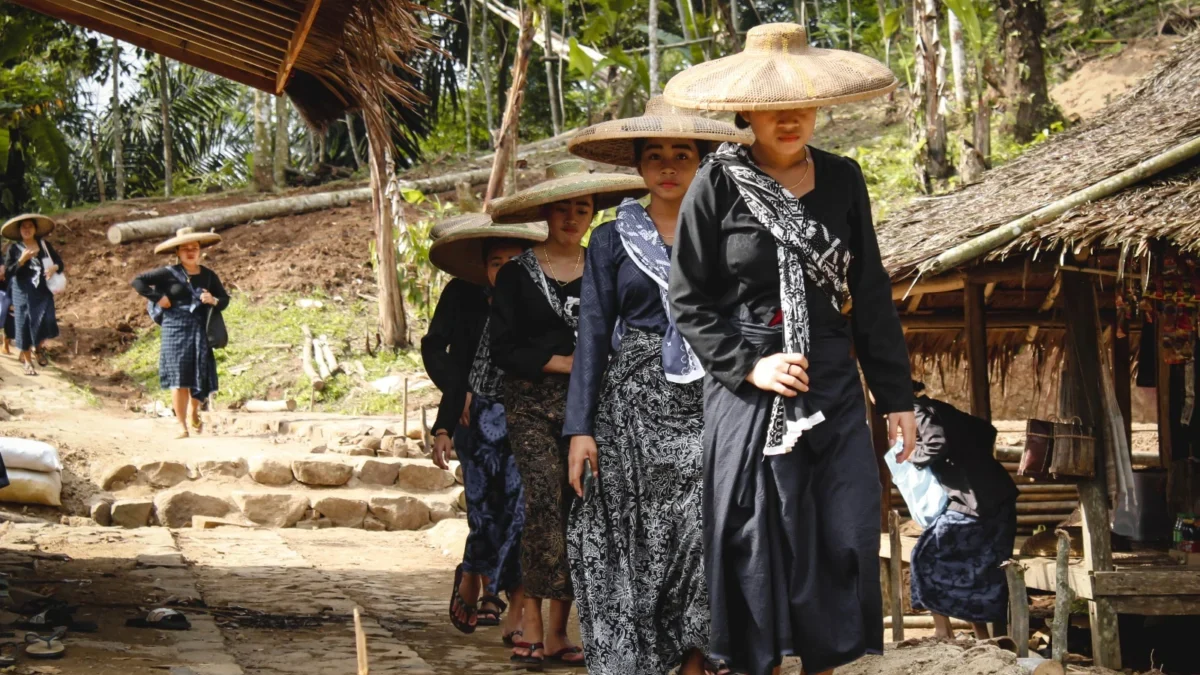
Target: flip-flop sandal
[(561, 655), (60, 615), (42, 360), (509, 640), (529, 661), (490, 617), (457, 602), (28, 368), (161, 618), (46, 646)]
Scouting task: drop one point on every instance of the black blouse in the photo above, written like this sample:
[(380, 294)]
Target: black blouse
[(25, 272), (526, 331), (153, 285), (613, 286), (724, 265), (448, 348)]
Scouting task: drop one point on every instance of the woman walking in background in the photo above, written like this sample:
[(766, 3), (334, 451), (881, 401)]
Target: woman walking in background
[(535, 312), (772, 242), (635, 538), (457, 357), (186, 294), (29, 264)]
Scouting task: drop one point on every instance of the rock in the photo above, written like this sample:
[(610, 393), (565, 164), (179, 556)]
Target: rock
[(462, 501), (342, 512), (458, 474), (373, 524), (400, 513), (116, 477), (100, 509), (131, 512), (356, 451), (319, 449), (268, 471), (391, 445), (221, 468), (419, 477), (325, 473), (370, 443), (416, 433), (76, 521), (273, 509), (439, 511), (375, 472), (164, 474), (319, 524), (176, 509)]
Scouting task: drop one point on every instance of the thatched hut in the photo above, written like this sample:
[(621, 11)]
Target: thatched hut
[(1065, 251)]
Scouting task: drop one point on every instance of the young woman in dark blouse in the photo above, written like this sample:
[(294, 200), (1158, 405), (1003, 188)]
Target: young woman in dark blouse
[(773, 241), (187, 294), (535, 313), (635, 414), (457, 356), (28, 272)]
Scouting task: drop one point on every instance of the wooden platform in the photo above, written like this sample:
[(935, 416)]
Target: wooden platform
[(1145, 582)]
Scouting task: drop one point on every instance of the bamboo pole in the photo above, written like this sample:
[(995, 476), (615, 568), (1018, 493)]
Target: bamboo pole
[(1063, 597), (506, 142), (895, 561), (306, 358), (925, 621), (319, 356), (360, 645), (327, 354), (1018, 606), (999, 236), (404, 405), (288, 405)]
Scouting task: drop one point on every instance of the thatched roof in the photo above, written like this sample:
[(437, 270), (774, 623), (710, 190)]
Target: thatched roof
[(1159, 113), (329, 56)]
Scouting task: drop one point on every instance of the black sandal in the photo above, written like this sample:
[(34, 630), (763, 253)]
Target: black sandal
[(490, 617), (559, 656), (509, 639), (41, 359), (162, 618), (531, 662), (46, 646), (457, 602), (56, 615)]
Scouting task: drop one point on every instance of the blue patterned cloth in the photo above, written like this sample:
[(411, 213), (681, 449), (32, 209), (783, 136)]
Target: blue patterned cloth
[(956, 565), (185, 360), (495, 497)]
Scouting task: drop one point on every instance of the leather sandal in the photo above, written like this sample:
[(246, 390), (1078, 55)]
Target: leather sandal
[(531, 662)]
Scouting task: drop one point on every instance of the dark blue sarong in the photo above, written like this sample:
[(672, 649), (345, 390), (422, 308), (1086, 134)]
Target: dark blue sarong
[(185, 361), (956, 565), (495, 497), (36, 320)]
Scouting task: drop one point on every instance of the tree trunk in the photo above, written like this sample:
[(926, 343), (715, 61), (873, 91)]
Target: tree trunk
[(485, 69), (562, 97), (96, 159), (283, 142), (958, 57), (506, 142), (262, 144), (1087, 12), (735, 24), (1022, 24), (353, 141), (470, 59), (652, 29), (850, 24), (685, 23), (164, 95), (118, 129), (928, 88), (548, 53), (393, 323)]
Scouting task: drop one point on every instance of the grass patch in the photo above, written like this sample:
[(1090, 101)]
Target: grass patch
[(263, 357)]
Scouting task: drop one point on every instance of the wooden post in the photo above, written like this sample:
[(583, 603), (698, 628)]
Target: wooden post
[(894, 563), (974, 307), (1121, 381), (506, 144), (1063, 597), (404, 405), (1081, 396), (360, 645), (1018, 606)]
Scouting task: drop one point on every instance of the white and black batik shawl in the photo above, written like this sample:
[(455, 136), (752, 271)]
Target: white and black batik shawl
[(485, 377), (805, 249), (528, 260)]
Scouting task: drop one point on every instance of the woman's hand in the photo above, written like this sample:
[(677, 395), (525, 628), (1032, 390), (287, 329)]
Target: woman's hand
[(582, 448), (785, 374), (441, 449), (906, 424), (559, 365), (208, 298), (27, 255), (465, 418), (164, 302), (51, 271)]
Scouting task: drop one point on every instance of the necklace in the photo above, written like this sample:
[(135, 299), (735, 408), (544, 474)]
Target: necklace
[(553, 274), (807, 164)]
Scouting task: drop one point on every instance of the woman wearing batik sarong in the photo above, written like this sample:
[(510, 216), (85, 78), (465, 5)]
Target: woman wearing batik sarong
[(635, 536), (457, 357), (773, 241), (187, 294), (535, 312), (30, 262)]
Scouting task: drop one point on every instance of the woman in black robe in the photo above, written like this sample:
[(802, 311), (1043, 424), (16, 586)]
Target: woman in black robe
[(29, 264), (772, 243)]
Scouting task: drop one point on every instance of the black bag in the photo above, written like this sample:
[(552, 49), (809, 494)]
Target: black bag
[(214, 328)]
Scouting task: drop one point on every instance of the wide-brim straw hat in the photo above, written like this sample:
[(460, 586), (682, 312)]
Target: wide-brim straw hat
[(613, 142), (458, 243), (12, 228), (187, 235), (778, 70), (567, 179)]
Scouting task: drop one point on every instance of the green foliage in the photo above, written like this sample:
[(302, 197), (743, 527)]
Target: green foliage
[(420, 281)]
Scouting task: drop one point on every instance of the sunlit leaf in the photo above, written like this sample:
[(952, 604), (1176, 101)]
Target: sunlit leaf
[(580, 62)]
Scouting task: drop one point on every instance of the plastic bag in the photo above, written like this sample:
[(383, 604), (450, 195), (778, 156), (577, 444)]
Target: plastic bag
[(924, 494), (32, 487), (28, 454)]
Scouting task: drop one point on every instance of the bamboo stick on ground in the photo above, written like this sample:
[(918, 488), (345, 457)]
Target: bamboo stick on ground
[(269, 406), (306, 359), (327, 353), (360, 645)]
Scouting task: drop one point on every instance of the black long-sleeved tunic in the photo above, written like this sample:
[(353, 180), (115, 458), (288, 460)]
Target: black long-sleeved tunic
[(448, 348), (526, 331), (156, 283), (24, 273)]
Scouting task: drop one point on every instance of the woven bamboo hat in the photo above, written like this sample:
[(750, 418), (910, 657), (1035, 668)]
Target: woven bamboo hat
[(778, 70), (612, 142), (458, 243), (12, 228), (187, 235), (567, 179)]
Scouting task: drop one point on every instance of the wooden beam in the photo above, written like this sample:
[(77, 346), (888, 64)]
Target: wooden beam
[(299, 36), (988, 290), (1177, 581), (264, 13), (995, 321), (152, 39), (1047, 305), (914, 303), (190, 23), (272, 37), (974, 312), (1157, 605), (943, 284)]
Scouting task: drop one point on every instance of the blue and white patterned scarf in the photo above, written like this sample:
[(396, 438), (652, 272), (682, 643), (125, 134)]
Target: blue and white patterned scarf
[(647, 250)]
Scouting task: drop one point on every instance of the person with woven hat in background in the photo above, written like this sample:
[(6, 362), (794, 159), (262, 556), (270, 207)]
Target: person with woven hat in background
[(535, 313), (29, 265), (183, 298), (637, 419), (773, 241), (457, 357)]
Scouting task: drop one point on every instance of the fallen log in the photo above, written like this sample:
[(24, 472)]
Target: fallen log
[(327, 354), (306, 358), (925, 621), (216, 219), (269, 406), (319, 357)]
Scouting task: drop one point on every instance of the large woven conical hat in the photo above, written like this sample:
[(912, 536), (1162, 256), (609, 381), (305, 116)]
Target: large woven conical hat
[(187, 235), (567, 179), (12, 228), (612, 142), (458, 243), (778, 70)]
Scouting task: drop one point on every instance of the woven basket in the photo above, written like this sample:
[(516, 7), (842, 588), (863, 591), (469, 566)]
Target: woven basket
[(1074, 450), (612, 142)]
